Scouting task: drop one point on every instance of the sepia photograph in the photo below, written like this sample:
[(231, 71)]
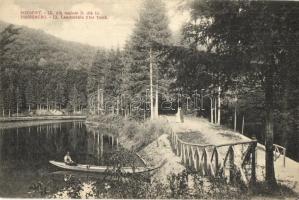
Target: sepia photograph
[(149, 99)]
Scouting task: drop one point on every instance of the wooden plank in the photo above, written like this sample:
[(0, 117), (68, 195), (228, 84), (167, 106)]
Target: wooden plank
[(204, 161), (211, 145), (246, 156), (284, 157), (215, 158), (243, 175), (253, 164), (231, 163)]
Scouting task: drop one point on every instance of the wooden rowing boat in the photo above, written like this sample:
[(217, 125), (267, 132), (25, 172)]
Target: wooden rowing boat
[(101, 169)]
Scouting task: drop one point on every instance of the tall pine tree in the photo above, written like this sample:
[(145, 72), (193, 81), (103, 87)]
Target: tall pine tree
[(150, 28)]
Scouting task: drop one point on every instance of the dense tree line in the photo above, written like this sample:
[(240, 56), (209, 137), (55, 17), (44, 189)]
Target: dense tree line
[(105, 80), (27, 85), (251, 50), (124, 76), (42, 88)]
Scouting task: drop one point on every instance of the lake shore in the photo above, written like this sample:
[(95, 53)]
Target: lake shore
[(19, 122), (33, 118), (149, 139)]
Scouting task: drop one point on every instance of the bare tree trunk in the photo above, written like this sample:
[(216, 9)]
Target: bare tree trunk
[(284, 108), (219, 106), (130, 109), (215, 111), (17, 109), (121, 106), (235, 118), (212, 118), (156, 104), (117, 105), (151, 86), (47, 104), (243, 124), (269, 98), (102, 101), (187, 101), (98, 98)]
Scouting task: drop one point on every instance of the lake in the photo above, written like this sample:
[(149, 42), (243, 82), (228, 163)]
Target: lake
[(25, 153)]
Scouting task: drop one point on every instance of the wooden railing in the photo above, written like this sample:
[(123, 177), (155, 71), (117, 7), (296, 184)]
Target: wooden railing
[(219, 160), (279, 150)]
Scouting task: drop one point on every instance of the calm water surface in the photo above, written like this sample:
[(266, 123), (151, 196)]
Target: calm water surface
[(25, 154)]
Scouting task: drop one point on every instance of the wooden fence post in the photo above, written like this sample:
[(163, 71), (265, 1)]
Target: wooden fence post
[(215, 157), (205, 162), (253, 166), (284, 157), (193, 149), (177, 148), (185, 154), (191, 157), (173, 139), (182, 152), (188, 156), (176, 143), (231, 163), (197, 158)]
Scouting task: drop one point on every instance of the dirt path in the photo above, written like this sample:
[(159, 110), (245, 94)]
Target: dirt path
[(201, 131)]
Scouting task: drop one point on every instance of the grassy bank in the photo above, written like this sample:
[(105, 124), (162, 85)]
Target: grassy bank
[(132, 134)]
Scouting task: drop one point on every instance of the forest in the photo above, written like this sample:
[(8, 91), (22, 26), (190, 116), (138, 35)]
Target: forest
[(40, 71), (249, 48)]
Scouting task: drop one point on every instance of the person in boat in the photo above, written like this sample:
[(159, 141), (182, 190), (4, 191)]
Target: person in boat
[(68, 160)]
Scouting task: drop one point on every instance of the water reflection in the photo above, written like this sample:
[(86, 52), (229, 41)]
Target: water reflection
[(25, 153)]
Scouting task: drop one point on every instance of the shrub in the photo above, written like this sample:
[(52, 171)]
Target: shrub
[(133, 133)]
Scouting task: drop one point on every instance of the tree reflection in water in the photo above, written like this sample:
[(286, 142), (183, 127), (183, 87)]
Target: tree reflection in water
[(25, 154)]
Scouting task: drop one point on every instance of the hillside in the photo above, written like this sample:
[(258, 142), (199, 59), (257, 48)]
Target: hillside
[(33, 46)]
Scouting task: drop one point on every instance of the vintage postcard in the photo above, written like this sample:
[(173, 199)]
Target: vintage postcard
[(149, 99)]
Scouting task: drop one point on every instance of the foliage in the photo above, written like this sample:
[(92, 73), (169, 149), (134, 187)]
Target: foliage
[(41, 87), (105, 74), (253, 40), (32, 47), (281, 191), (135, 134), (30, 76), (74, 98), (151, 28), (179, 186)]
